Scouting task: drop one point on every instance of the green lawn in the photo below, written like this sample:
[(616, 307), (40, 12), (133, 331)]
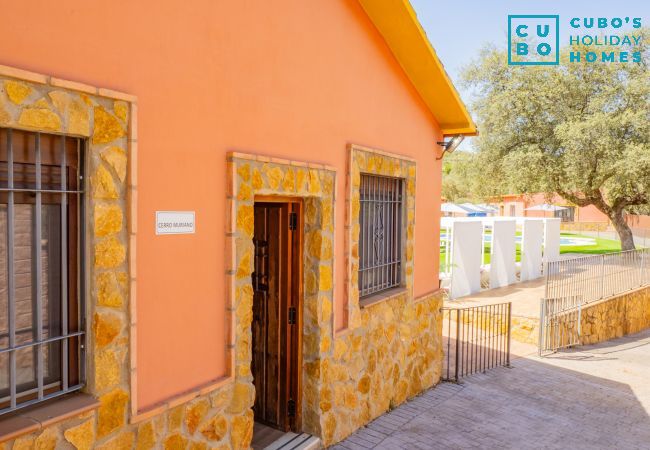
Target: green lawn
[(602, 246)]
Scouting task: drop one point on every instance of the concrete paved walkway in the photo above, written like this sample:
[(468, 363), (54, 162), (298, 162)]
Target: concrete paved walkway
[(594, 398)]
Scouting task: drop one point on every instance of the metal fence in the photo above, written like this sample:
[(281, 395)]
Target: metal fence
[(559, 323), (475, 339), (596, 277)]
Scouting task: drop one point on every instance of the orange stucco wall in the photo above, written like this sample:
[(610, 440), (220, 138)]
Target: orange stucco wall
[(288, 78)]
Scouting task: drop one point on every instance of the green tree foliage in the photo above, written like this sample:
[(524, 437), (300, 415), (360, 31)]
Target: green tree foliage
[(579, 129)]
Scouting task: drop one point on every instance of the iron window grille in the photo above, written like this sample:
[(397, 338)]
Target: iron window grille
[(42, 337), (381, 234)]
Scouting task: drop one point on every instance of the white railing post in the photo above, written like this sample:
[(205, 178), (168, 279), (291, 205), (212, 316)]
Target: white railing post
[(602, 276)]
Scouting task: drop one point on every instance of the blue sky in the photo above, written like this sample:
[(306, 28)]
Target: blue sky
[(458, 29)]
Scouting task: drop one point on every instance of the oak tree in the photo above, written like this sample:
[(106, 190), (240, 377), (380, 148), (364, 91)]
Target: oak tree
[(580, 129)]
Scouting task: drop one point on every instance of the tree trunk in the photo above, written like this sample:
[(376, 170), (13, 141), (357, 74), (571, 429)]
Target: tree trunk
[(623, 230)]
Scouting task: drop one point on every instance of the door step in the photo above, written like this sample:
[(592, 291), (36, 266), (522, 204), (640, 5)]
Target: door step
[(293, 441)]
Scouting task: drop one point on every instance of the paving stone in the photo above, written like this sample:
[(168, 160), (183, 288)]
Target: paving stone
[(596, 397)]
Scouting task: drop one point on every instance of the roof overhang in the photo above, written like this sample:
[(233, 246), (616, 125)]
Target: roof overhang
[(398, 24)]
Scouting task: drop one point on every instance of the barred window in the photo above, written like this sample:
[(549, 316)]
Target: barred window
[(41, 285), (380, 237)]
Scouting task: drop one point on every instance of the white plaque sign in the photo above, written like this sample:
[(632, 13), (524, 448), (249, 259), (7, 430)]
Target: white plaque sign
[(175, 222)]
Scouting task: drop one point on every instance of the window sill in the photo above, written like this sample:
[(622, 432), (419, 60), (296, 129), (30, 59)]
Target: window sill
[(41, 416), (382, 296)]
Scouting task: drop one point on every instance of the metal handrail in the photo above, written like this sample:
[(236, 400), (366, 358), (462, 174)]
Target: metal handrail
[(597, 277)]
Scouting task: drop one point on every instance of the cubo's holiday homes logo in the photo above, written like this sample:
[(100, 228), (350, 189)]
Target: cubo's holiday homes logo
[(533, 40)]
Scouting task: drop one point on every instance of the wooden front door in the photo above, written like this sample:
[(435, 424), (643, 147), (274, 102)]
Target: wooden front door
[(276, 314)]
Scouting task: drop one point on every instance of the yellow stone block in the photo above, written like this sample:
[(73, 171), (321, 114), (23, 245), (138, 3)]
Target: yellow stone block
[(215, 428), (314, 182), (75, 110), (121, 110), (103, 185), (289, 182), (241, 433), (106, 127), (196, 445), (112, 412), (243, 397), (411, 171), (311, 344), (340, 349), (325, 310), (78, 118), (106, 327), (350, 400), (314, 240), (328, 217), (311, 283), (82, 436), (245, 220), (116, 158), (107, 369), (325, 344), (355, 207), (312, 369), (195, 414), (410, 187), (108, 219), (61, 100), (329, 428), (222, 397), (17, 91), (123, 441), (245, 192), (364, 384), (146, 437), (245, 306), (110, 286), (47, 440), (109, 253), (176, 442), (23, 443), (409, 252), (40, 118), (328, 185), (325, 277), (301, 176), (274, 175), (175, 417), (244, 171), (258, 181), (245, 267)]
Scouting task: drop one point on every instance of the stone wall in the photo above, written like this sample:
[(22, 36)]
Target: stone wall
[(525, 329), (395, 353), (615, 317)]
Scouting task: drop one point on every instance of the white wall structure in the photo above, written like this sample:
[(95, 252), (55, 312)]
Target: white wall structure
[(503, 253), (552, 239), (466, 252), (531, 249)]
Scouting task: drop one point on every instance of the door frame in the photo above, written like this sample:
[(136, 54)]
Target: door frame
[(294, 335)]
